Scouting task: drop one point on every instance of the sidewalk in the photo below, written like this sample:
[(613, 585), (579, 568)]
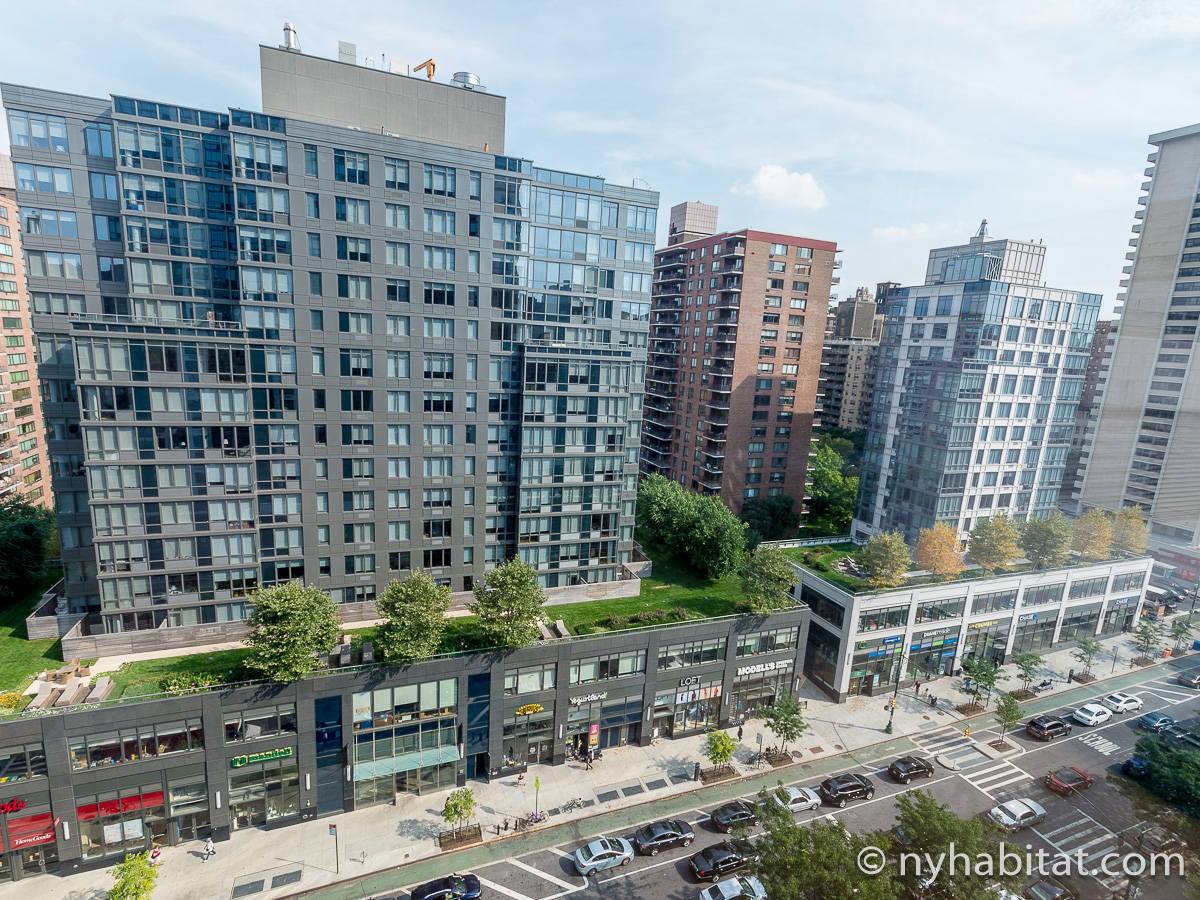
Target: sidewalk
[(302, 858)]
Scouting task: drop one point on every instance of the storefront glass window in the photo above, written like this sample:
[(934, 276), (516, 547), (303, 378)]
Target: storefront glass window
[(936, 610), (263, 792), (758, 642), (887, 617), (122, 821), (266, 721), (135, 743), (691, 653), (22, 763)]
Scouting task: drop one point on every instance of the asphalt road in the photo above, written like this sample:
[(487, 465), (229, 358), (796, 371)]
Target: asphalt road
[(1088, 824)]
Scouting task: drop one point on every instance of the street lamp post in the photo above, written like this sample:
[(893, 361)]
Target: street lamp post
[(896, 691), (1116, 651)]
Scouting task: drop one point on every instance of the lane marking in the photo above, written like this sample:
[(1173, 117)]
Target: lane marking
[(501, 889), (665, 862), (551, 878)]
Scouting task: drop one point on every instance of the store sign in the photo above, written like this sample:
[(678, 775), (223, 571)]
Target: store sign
[(250, 758), (588, 698), (758, 668), (8, 807), (691, 679), (45, 836), (704, 693)]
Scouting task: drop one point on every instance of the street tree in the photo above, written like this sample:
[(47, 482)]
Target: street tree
[(1047, 541), (768, 577), (1092, 535), (769, 518), (785, 720), (414, 613), (1181, 631), (1148, 637), (885, 559), (933, 830), (817, 860), (1173, 773), (1028, 665), (134, 878), (719, 748), (1008, 712), (291, 624), (509, 603), (1085, 654), (459, 809), (938, 551), (993, 543), (1129, 530), (984, 674)]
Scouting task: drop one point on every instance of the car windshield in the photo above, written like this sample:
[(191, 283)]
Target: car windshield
[(1010, 810), (1069, 776)]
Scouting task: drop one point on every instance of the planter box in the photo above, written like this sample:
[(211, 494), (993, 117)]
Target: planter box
[(717, 773), (464, 837)]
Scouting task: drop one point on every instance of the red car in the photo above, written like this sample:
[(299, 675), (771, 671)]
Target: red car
[(1069, 780)]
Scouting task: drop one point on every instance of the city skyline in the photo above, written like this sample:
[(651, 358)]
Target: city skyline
[(873, 158)]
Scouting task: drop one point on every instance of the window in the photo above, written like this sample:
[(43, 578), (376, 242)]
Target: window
[(351, 167), (641, 218), (691, 653), (395, 215), (40, 132), (613, 665), (759, 642), (22, 762), (438, 258), (440, 180), (353, 249), (396, 254), (352, 211), (395, 174), (440, 221), (312, 205), (439, 365), (49, 264), (354, 323), (1127, 582), (439, 328), (398, 326), (354, 287), (62, 223), (397, 290), (98, 140), (310, 160), (102, 186), (397, 364), (135, 743), (43, 179), (529, 679), (266, 721), (439, 293)]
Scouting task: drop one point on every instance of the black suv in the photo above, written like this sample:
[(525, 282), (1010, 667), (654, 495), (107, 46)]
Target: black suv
[(663, 835), (842, 788), (1047, 728), (739, 812), (713, 863), (906, 768)]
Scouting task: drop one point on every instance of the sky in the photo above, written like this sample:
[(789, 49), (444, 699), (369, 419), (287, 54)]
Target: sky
[(889, 128)]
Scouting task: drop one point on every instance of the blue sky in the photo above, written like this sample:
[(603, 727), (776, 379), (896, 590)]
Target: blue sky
[(887, 127)]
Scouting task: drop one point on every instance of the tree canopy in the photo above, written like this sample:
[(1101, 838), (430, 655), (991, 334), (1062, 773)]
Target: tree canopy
[(1092, 535), (698, 531), (833, 491), (993, 543), (1173, 773), (719, 747), (885, 559), (767, 580), (1047, 541), (1129, 530), (289, 624), (134, 878), (785, 720), (938, 551), (414, 612), (509, 603), (769, 518), (25, 536)]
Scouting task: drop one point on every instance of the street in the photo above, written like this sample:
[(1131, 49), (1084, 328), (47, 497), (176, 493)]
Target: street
[(1089, 823)]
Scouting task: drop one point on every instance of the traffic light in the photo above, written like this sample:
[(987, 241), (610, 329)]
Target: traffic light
[(967, 731), (892, 703)]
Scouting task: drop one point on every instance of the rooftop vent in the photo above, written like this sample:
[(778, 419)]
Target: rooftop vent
[(468, 80), (290, 41)]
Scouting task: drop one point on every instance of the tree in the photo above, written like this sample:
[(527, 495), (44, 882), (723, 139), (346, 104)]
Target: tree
[(769, 518), (719, 748), (414, 613), (993, 543), (459, 808), (1085, 653), (886, 559), (699, 532), (716, 545), (1092, 535), (134, 878), (785, 720), (933, 830), (1008, 712), (1148, 637), (767, 580), (1129, 530), (509, 602), (1172, 772), (289, 625), (984, 675), (25, 533), (817, 860), (1181, 631), (938, 552), (833, 492), (1028, 665), (660, 509), (1047, 541)]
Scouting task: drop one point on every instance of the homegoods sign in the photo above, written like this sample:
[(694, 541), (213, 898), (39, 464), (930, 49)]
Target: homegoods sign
[(250, 758)]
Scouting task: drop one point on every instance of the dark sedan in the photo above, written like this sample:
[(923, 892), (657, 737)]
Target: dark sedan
[(840, 789), (715, 862), (1155, 721), (1047, 728), (652, 839), (739, 812), (906, 768), (452, 887)]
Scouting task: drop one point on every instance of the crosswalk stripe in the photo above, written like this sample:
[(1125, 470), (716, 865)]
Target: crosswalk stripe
[(1050, 834), (501, 889), (552, 879), (996, 768), (997, 786)]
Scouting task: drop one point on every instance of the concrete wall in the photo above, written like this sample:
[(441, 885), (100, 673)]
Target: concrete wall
[(299, 86)]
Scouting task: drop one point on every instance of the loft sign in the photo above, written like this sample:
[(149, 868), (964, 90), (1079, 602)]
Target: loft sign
[(690, 680), (250, 758), (588, 698)]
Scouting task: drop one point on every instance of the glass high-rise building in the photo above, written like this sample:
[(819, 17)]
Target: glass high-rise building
[(979, 375), (335, 341)]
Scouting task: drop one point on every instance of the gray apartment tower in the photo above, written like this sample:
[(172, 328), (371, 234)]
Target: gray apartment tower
[(979, 375), (336, 341)]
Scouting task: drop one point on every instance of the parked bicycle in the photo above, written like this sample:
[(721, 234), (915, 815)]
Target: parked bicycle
[(535, 817), (576, 803)]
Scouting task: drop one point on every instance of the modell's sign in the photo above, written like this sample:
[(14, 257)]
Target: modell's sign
[(759, 668), (249, 759)]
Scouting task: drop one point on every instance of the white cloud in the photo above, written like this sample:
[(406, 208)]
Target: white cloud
[(904, 232), (776, 185), (1106, 179)]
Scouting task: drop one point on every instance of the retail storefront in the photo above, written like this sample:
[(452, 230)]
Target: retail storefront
[(876, 664), (988, 640), (932, 652), (758, 686), (1119, 615), (599, 721), (27, 837), (693, 705), (264, 787), (1035, 632), (529, 735), (1080, 622)]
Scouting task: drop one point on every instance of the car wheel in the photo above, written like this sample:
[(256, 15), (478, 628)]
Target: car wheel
[(870, 795), (905, 780), (688, 842), (654, 851), (625, 861), (841, 804)]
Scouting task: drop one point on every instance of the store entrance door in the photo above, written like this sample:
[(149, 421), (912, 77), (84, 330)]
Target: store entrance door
[(33, 861)]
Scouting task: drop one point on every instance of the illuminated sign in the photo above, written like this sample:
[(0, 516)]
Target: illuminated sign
[(758, 668), (588, 698), (250, 758)]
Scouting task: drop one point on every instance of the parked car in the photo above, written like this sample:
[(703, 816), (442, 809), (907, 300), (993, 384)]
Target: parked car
[(711, 863), (1190, 678), (602, 853), (840, 789), (458, 886), (1092, 714), (739, 812), (1136, 766), (1181, 736), (1050, 888), (906, 768), (1155, 722), (1122, 703), (652, 839), (1153, 839), (793, 799), (1069, 780), (1047, 728), (1016, 814), (743, 887)]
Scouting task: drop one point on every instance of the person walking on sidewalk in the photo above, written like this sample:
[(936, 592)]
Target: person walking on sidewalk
[(209, 850), (588, 761), (739, 733)]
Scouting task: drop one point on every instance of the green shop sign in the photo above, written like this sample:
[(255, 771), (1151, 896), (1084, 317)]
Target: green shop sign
[(250, 758)]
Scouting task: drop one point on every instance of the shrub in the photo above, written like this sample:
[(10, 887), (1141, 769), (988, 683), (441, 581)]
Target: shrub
[(189, 681), (10, 700)]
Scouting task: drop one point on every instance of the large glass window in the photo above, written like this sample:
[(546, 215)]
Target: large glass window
[(392, 705), (936, 610), (264, 792), (759, 642), (614, 665), (887, 617), (20, 763), (529, 679), (691, 653), (120, 821), (993, 601), (135, 743), (261, 722)]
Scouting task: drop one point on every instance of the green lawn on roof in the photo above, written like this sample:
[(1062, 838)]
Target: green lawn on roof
[(821, 559), (21, 658)]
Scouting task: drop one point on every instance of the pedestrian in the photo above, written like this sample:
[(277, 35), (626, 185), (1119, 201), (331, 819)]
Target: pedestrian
[(588, 761), (209, 849), (520, 778), (739, 733), (918, 688), (155, 854)]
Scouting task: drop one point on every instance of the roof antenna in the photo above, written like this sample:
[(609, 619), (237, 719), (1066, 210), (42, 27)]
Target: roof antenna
[(982, 232), (290, 41)]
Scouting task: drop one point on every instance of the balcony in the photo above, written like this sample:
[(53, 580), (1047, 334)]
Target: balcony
[(732, 248)]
